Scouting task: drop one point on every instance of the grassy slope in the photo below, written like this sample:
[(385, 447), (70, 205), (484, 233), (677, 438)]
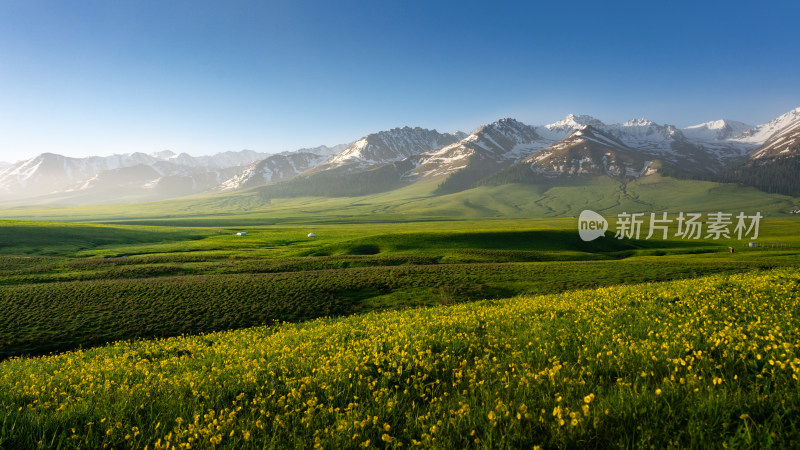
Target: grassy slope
[(416, 202), (708, 362)]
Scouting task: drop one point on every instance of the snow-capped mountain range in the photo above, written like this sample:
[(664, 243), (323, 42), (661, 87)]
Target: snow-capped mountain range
[(389, 146), (576, 145), (785, 141), (279, 167), (157, 175), (589, 151), (775, 165), (717, 130)]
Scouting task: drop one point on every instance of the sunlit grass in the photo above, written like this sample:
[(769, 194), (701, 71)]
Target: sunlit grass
[(709, 361), (417, 203)]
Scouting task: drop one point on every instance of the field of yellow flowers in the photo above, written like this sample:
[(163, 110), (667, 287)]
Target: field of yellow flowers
[(712, 361)]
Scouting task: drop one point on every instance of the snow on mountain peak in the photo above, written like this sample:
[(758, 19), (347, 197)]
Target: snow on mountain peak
[(640, 122), (574, 121), (508, 129), (581, 131), (716, 130), (391, 145), (563, 128), (502, 124), (714, 124), (759, 134), (163, 154), (322, 150)]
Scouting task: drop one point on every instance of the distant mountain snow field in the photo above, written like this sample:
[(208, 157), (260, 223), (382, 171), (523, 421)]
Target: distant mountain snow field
[(507, 149)]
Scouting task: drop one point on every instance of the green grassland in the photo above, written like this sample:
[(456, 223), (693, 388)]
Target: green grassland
[(400, 281), (712, 361), (52, 239), (418, 202), (69, 285)]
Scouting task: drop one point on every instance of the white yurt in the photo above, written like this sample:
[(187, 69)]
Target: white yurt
[(312, 235)]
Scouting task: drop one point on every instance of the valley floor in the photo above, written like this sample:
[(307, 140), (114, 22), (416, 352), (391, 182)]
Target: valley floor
[(195, 337)]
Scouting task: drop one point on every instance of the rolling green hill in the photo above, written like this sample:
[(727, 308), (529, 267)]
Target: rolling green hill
[(560, 198)]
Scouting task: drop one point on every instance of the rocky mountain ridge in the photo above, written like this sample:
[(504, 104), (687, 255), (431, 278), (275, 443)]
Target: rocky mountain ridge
[(578, 145)]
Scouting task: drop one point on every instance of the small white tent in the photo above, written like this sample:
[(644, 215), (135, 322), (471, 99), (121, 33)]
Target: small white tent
[(312, 235), (242, 233)]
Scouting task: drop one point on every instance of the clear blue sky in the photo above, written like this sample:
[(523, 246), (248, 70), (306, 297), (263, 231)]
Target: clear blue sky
[(88, 77)]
